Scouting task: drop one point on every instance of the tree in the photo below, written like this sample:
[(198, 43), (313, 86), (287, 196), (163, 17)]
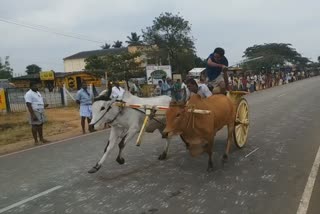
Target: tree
[(274, 55), (96, 65), (123, 66), (134, 39), (318, 59), (156, 56), (200, 63), (33, 69), (119, 67), (5, 69), (171, 33), (117, 44), (186, 60), (105, 46)]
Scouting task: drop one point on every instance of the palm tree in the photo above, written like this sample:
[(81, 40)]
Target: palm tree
[(105, 46), (117, 44), (134, 39)]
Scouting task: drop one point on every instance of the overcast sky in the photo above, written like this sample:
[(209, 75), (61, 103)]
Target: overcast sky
[(231, 24)]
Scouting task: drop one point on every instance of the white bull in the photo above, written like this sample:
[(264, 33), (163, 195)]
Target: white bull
[(126, 122)]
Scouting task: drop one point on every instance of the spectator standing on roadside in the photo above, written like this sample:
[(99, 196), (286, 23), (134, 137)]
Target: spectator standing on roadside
[(35, 104), (84, 99)]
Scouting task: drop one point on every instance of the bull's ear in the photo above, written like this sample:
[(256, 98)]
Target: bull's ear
[(181, 103), (173, 103), (198, 96), (101, 97), (96, 98), (172, 99)]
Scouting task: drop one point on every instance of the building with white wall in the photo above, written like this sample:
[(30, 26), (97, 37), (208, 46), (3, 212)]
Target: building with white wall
[(76, 62)]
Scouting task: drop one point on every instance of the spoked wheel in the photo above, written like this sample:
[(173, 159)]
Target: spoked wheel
[(241, 127)]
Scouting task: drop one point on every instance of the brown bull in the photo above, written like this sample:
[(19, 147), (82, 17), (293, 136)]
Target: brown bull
[(198, 130)]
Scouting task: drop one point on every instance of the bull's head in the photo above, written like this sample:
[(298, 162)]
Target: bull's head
[(102, 110), (176, 119)]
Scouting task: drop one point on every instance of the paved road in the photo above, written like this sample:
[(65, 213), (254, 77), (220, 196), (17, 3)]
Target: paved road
[(284, 129)]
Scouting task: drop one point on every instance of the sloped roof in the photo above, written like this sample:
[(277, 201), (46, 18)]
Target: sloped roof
[(101, 52), (65, 74), (27, 77), (56, 74)]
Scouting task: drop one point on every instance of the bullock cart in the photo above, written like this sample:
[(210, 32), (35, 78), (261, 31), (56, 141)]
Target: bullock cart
[(241, 118)]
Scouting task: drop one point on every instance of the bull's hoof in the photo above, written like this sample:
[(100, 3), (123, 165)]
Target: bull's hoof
[(210, 169), (94, 169), (120, 160), (225, 158), (163, 156), (187, 146), (210, 166)]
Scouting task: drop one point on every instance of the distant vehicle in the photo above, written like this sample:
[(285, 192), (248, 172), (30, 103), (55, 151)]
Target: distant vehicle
[(195, 73)]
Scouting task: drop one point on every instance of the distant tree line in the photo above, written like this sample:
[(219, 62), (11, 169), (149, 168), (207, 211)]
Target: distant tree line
[(6, 71), (171, 35)]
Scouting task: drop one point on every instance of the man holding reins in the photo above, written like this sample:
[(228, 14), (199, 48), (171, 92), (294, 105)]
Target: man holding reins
[(216, 71)]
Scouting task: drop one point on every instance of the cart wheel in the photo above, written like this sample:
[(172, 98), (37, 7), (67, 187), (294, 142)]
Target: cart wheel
[(241, 126)]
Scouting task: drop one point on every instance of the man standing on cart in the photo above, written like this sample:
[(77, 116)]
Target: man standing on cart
[(217, 72)]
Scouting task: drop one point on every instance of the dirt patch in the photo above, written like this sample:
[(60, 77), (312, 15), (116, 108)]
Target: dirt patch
[(15, 131)]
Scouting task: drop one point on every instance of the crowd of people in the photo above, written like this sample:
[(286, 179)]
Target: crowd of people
[(254, 82), (236, 82)]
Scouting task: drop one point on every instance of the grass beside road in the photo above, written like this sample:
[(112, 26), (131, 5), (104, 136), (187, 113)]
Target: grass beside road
[(14, 127)]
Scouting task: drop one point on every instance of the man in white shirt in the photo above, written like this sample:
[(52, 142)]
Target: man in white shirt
[(185, 91), (117, 91), (201, 89), (35, 105), (255, 82)]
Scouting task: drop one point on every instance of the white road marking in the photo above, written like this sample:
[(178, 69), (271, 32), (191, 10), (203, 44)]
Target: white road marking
[(251, 153), (49, 144), (281, 95), (29, 199), (305, 199)]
